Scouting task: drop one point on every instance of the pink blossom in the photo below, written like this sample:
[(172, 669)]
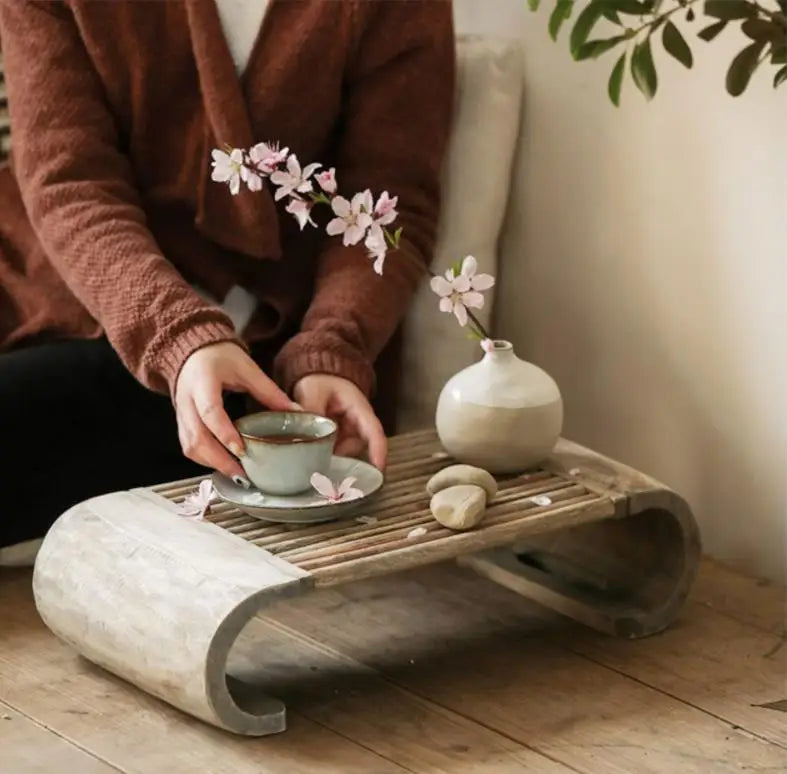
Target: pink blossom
[(294, 180), (327, 180), (353, 217), (251, 178), (267, 156), (227, 168), (377, 247), (488, 345), (462, 292), (302, 212), (198, 503), (333, 494), (385, 209)]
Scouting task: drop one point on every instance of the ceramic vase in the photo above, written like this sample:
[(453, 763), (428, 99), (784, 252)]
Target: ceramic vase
[(501, 414)]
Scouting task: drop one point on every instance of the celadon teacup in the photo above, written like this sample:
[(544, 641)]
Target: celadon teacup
[(284, 449)]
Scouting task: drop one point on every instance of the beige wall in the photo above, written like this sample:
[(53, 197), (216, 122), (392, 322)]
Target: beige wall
[(646, 255)]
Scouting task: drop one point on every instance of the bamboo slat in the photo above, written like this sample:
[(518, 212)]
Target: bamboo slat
[(379, 537)]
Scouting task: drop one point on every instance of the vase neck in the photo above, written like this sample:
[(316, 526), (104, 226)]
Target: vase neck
[(500, 352)]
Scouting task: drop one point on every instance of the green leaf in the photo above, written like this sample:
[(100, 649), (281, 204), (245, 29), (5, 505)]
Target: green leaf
[(690, 16), (611, 15), (561, 12), (533, 4), (780, 77), (675, 45), (616, 80), (583, 26), (709, 33), (730, 9), (757, 29), (779, 55), (595, 48), (742, 68), (643, 69)]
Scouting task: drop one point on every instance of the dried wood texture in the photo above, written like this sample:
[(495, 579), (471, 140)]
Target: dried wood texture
[(350, 549), (159, 600)]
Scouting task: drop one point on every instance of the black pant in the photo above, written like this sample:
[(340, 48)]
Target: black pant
[(74, 424)]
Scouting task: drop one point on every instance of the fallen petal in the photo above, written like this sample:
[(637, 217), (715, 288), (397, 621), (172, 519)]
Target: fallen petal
[(323, 485), (416, 533), (541, 500), (367, 520)]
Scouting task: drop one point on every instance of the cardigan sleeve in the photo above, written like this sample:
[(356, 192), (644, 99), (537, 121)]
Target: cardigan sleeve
[(396, 122), (79, 193)]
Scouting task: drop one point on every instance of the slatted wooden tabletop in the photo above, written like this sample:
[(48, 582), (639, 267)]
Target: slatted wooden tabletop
[(378, 538)]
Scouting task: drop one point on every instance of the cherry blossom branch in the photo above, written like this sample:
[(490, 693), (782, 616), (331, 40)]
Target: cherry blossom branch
[(358, 219)]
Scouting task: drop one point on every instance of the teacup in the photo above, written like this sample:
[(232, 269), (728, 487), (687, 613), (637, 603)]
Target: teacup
[(284, 449)]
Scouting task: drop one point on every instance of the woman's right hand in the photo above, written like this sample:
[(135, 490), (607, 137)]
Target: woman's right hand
[(204, 428)]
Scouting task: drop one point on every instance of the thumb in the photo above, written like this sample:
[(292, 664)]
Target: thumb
[(263, 389)]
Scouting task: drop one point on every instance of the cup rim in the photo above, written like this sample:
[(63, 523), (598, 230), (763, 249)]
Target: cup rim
[(259, 439)]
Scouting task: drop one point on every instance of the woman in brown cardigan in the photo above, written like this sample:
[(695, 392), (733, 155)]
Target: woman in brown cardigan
[(129, 282)]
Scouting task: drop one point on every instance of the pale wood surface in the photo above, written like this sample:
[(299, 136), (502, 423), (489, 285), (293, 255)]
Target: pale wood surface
[(435, 670)]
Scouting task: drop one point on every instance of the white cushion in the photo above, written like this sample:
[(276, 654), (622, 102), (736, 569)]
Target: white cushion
[(476, 182)]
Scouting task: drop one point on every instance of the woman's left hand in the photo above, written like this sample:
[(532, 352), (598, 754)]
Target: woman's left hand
[(342, 401)]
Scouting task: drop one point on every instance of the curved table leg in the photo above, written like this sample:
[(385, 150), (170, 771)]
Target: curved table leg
[(627, 576), (159, 600)]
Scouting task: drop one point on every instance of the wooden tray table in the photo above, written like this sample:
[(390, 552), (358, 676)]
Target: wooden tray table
[(159, 599)]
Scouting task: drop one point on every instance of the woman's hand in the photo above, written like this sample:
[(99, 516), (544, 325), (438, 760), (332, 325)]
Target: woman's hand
[(342, 401), (204, 429)]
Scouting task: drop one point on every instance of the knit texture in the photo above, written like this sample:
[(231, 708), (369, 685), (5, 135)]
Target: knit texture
[(109, 216)]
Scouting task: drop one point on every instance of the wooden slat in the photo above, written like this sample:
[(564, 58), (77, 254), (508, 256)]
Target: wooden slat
[(27, 748), (381, 541), (463, 644)]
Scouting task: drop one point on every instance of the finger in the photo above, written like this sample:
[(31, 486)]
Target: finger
[(350, 446), (372, 432), (265, 390), (201, 446), (210, 408)]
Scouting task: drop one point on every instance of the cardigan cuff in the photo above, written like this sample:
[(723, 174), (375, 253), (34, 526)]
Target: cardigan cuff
[(304, 356), (186, 343)]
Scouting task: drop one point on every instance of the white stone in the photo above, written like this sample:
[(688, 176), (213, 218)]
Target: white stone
[(456, 475), (459, 507)]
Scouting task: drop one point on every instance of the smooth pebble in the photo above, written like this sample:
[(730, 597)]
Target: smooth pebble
[(459, 507), (455, 475)]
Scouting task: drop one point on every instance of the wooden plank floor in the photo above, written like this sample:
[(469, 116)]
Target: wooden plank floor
[(429, 671)]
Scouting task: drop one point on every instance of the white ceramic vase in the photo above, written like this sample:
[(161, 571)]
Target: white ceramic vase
[(501, 414)]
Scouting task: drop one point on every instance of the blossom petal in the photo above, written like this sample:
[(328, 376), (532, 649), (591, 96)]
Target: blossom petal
[(482, 282), (364, 221), (354, 234), (235, 183), (310, 170), (473, 300), (352, 494), (281, 192), (469, 266), (221, 173), (461, 284), (279, 177), (219, 156), (446, 304), (294, 166), (461, 313), (378, 263), (441, 286), (206, 492), (346, 484), (340, 206), (336, 226), (323, 485)]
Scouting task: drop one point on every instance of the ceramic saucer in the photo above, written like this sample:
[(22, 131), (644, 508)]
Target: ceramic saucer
[(308, 507)]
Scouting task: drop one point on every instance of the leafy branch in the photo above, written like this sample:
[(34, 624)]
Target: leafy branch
[(636, 22)]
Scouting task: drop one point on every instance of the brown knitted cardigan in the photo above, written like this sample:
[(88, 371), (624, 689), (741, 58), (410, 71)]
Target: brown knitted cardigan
[(108, 216)]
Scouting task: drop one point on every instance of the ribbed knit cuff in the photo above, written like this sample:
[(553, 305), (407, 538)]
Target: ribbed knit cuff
[(178, 349), (294, 363)]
